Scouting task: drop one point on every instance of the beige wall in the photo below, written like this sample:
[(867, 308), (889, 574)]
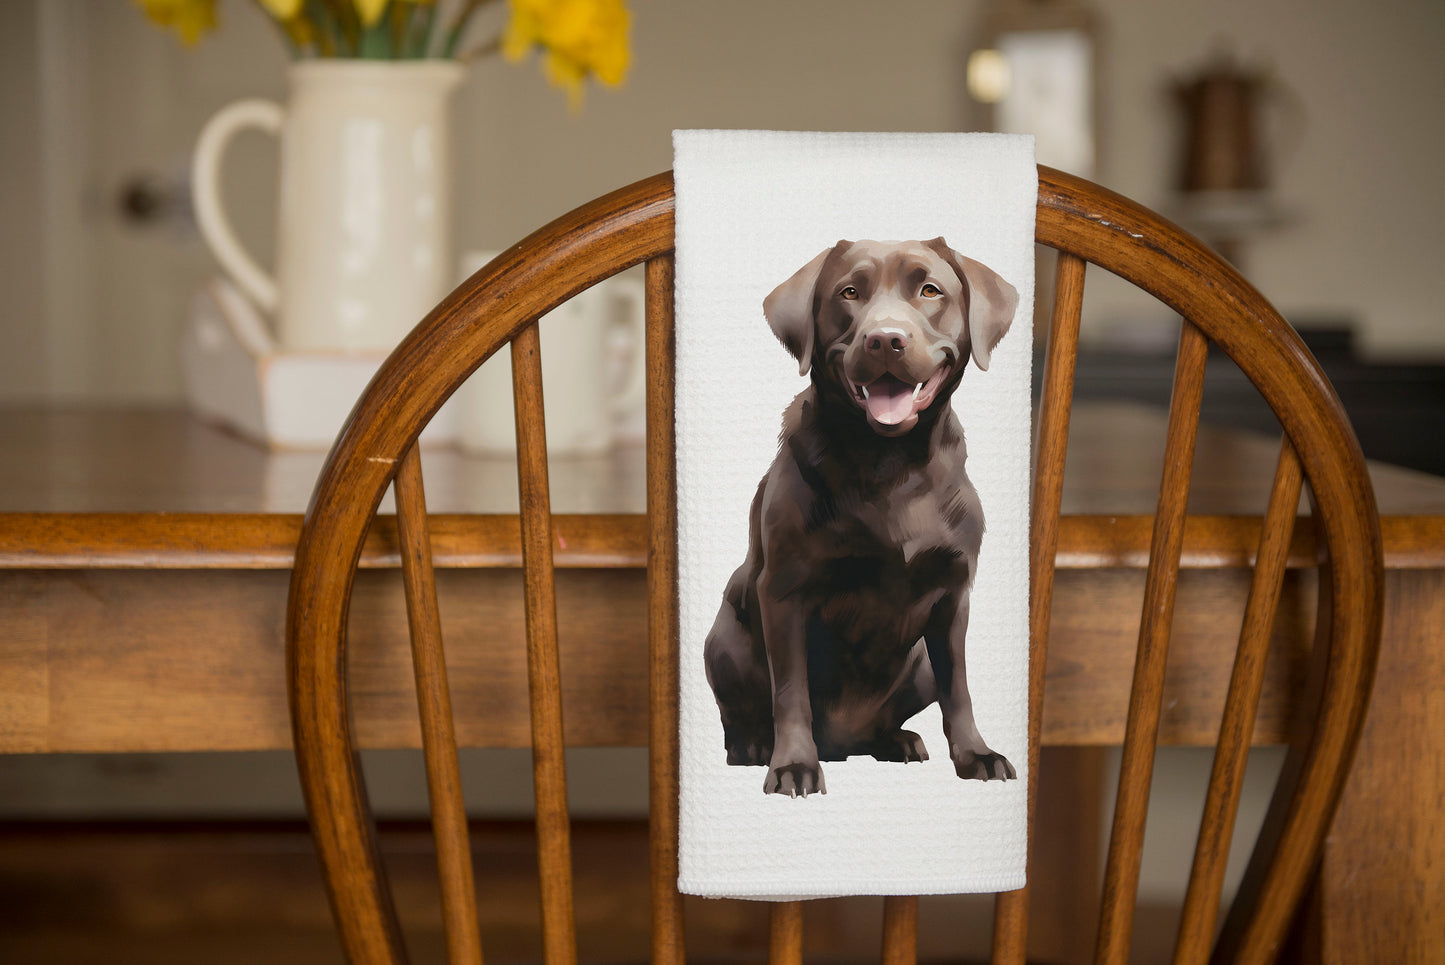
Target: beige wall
[(1362, 242), (22, 353), (1362, 183)]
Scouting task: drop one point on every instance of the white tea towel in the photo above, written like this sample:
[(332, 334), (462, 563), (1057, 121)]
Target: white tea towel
[(809, 634)]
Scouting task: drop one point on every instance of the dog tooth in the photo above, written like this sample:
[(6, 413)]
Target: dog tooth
[(917, 389), (864, 390)]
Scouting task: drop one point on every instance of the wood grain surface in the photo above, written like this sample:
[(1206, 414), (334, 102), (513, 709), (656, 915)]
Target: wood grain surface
[(544, 673), (1231, 755), (1055, 409), (1382, 886), (108, 660), (250, 892), (667, 932), (1156, 623), (455, 875), (152, 463)]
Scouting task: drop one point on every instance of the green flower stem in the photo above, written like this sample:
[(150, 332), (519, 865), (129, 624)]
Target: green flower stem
[(418, 45), (340, 17), (459, 26), (376, 41), (396, 36), (323, 28)]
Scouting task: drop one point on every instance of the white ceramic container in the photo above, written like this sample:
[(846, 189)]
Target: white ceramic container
[(363, 249)]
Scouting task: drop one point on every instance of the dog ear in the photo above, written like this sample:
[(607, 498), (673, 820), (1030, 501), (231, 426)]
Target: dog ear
[(790, 310), (991, 302)]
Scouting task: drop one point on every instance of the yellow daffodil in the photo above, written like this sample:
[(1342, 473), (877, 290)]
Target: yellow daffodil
[(189, 18), (581, 37), (577, 39), (369, 11), (300, 31), (283, 10)]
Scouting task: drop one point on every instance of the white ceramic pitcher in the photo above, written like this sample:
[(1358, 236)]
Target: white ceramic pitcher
[(363, 249)]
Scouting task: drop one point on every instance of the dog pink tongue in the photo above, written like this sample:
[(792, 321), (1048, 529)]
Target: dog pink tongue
[(890, 400)]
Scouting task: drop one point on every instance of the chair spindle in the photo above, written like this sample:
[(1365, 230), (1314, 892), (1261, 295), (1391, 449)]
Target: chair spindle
[(1011, 908), (785, 933), (1201, 903), (1126, 841), (667, 943), (434, 703), (900, 930), (549, 774)]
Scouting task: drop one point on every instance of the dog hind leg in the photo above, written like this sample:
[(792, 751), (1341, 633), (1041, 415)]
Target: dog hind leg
[(880, 734), (916, 692), (737, 671)]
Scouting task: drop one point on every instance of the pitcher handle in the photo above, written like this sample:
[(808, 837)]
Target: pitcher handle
[(250, 277)]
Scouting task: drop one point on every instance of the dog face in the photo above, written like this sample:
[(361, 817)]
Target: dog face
[(892, 324)]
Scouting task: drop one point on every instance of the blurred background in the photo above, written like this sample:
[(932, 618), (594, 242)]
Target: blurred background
[(100, 111)]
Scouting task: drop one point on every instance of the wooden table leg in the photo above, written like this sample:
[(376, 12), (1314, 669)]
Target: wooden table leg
[(1382, 886), (1068, 854)]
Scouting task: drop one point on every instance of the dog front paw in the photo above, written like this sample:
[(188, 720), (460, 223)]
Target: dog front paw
[(794, 780), (984, 765)]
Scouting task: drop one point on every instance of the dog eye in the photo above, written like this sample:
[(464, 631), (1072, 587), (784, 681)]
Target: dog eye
[(930, 291), (850, 293)]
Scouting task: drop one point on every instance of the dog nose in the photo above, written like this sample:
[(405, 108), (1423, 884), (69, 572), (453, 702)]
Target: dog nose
[(885, 341)]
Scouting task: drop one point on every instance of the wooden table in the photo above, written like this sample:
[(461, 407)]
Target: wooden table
[(144, 566)]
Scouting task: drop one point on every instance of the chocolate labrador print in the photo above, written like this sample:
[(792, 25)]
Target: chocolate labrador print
[(850, 613)]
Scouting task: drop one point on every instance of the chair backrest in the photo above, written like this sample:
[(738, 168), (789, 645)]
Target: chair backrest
[(1086, 224)]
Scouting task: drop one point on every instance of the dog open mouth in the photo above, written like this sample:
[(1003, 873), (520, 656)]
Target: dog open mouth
[(889, 401)]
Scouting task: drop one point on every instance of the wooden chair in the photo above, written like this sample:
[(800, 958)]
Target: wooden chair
[(501, 303)]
